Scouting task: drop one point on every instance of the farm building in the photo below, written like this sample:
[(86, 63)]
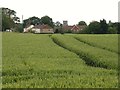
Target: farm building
[(44, 28)]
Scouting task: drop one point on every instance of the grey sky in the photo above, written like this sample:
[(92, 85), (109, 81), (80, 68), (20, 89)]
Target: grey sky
[(71, 10)]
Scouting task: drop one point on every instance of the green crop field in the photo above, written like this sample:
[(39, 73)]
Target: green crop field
[(59, 61), (107, 42)]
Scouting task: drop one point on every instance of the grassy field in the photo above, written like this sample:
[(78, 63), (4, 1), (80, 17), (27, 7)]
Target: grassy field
[(58, 61)]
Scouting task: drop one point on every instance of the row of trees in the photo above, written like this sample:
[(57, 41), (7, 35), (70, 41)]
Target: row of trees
[(102, 27), (94, 27), (11, 21), (36, 21)]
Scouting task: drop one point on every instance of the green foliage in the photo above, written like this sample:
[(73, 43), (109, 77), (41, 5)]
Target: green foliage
[(94, 27), (117, 26), (85, 30), (9, 19), (7, 23), (82, 23), (31, 21), (112, 30), (19, 28), (47, 20), (11, 14), (36, 21), (103, 27), (35, 61)]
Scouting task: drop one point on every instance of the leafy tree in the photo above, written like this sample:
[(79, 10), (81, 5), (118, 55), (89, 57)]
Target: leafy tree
[(7, 23), (18, 27), (112, 30), (57, 27), (85, 30), (9, 19), (117, 25), (118, 28), (93, 27), (113, 27), (11, 14), (16, 19), (47, 20), (31, 21), (82, 23), (103, 27)]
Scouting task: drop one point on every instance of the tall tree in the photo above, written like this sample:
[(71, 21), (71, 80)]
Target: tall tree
[(9, 19), (11, 14), (7, 23), (31, 21), (82, 23), (94, 27), (103, 27), (47, 20)]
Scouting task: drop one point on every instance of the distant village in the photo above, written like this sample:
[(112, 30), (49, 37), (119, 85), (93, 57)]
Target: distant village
[(45, 28), (45, 24)]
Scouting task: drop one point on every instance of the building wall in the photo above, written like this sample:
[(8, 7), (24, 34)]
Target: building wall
[(47, 31), (36, 30), (43, 30)]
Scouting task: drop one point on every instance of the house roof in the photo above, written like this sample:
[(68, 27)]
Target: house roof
[(67, 27), (74, 27), (43, 26)]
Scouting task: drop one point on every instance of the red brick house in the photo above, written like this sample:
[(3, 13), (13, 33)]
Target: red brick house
[(74, 28)]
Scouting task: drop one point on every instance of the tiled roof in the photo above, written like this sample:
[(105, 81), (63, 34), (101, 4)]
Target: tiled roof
[(44, 26), (67, 27), (74, 27)]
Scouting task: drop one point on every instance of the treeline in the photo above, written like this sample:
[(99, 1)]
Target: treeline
[(12, 22), (36, 21), (102, 27)]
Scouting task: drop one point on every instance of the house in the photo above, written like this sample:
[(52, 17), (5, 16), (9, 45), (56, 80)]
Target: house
[(74, 28), (28, 28), (44, 28)]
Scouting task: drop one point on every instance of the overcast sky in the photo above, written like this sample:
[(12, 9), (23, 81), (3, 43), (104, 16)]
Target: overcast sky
[(71, 10)]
